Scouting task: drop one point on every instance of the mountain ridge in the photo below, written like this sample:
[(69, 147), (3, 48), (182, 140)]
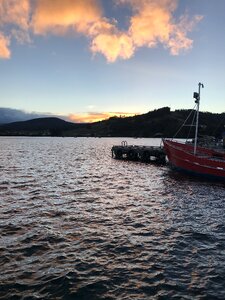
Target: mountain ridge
[(159, 122)]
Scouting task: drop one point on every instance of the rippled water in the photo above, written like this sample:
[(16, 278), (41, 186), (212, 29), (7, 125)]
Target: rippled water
[(77, 224)]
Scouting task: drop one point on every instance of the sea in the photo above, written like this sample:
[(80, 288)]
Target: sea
[(76, 223)]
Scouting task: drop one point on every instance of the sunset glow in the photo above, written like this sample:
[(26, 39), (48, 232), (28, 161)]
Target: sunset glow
[(95, 117)]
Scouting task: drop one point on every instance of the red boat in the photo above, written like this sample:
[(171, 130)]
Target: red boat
[(205, 162), (194, 159)]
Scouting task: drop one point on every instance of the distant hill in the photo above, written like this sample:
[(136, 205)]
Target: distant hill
[(39, 126), (158, 123)]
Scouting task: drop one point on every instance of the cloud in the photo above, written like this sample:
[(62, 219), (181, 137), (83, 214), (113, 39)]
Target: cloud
[(59, 16), (84, 17), (151, 23), (178, 40), (8, 115), (96, 116), (14, 18), (113, 46), (15, 12), (4, 47)]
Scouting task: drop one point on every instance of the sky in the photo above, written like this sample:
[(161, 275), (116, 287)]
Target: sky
[(88, 60)]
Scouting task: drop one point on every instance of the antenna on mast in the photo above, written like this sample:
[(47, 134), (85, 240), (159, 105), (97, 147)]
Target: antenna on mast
[(197, 101)]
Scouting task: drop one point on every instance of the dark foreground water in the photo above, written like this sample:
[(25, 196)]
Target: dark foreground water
[(77, 224)]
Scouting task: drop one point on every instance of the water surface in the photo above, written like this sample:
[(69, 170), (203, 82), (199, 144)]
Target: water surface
[(77, 224)]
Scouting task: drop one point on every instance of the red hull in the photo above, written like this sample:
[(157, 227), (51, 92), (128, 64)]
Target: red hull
[(206, 162)]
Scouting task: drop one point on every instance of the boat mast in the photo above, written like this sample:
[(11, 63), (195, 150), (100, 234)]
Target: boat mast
[(197, 101)]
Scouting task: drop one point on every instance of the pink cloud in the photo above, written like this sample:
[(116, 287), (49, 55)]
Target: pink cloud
[(4, 47), (152, 23), (113, 46), (15, 12)]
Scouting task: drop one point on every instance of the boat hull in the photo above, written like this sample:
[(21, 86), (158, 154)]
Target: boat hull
[(206, 163)]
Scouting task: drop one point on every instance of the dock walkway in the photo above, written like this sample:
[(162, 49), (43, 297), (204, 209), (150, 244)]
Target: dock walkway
[(139, 153)]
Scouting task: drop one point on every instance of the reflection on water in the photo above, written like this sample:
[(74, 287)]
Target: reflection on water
[(77, 224)]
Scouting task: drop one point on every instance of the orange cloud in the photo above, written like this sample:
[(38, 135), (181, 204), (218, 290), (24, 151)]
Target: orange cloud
[(60, 16), (85, 17), (151, 23), (95, 116), (4, 47), (109, 41), (113, 46)]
